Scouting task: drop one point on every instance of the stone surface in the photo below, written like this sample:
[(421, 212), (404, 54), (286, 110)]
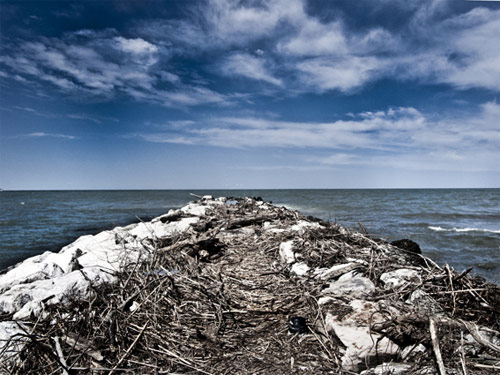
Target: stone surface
[(10, 341), (351, 284), (353, 329), (424, 303), (286, 253), (362, 346), (300, 269), (302, 225), (397, 278)]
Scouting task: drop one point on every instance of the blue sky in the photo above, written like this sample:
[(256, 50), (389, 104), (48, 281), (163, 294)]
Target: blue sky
[(249, 94)]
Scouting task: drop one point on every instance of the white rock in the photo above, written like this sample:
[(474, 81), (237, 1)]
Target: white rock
[(302, 225), (362, 345), (10, 345), (324, 300), (23, 299), (424, 303), (300, 269), (165, 230), (352, 285), (166, 216), (93, 250), (286, 253), (194, 209), (398, 278), (353, 329), (40, 267), (207, 198)]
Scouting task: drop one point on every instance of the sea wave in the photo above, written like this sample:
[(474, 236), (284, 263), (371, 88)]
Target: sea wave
[(439, 229)]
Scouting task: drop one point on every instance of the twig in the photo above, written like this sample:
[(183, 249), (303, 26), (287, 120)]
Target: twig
[(99, 369), (463, 274), (487, 366), (60, 355), (130, 347), (435, 346), (462, 353), (448, 271), (180, 359), (474, 331)]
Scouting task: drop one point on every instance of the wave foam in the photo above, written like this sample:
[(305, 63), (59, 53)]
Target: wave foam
[(439, 229)]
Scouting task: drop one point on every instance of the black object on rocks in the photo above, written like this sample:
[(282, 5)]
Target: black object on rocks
[(297, 324), (408, 245)]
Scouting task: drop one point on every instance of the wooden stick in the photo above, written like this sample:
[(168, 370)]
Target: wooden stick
[(463, 274), (435, 346), (487, 366), (60, 355), (462, 353), (448, 271), (474, 331)]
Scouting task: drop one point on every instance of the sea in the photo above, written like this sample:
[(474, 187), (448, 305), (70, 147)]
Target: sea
[(460, 227)]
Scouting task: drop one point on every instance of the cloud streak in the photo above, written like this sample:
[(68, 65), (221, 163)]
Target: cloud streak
[(396, 137), (104, 65), (49, 135)]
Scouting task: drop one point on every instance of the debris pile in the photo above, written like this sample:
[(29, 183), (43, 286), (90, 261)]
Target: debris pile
[(240, 286)]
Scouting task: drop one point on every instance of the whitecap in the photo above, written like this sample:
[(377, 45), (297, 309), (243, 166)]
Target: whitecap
[(458, 230)]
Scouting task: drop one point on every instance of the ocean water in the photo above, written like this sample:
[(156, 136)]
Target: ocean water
[(456, 226)]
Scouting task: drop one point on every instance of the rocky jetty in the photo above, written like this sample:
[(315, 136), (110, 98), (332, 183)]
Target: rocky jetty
[(241, 286)]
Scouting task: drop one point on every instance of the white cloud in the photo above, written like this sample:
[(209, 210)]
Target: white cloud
[(50, 135), (76, 116), (259, 132), (144, 52), (242, 64), (343, 74), (306, 51), (315, 39), (223, 23), (138, 46), (105, 65), (395, 137)]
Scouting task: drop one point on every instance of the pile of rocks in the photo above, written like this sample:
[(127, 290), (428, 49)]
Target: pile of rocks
[(239, 269)]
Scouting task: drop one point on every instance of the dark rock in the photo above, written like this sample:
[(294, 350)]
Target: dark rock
[(206, 249), (297, 324), (172, 217), (204, 226), (407, 245)]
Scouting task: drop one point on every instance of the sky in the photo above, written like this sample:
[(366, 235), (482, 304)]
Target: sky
[(138, 94)]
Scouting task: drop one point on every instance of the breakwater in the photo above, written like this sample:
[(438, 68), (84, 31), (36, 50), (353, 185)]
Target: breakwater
[(243, 286)]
